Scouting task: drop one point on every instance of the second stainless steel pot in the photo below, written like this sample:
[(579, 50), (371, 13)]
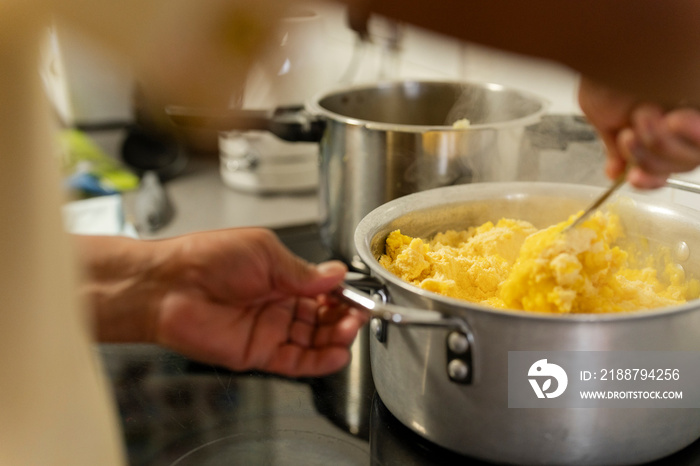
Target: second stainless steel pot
[(383, 141), (458, 397)]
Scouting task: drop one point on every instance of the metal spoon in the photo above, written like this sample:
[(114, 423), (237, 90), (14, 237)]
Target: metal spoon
[(398, 315), (683, 185), (598, 202), (670, 183)]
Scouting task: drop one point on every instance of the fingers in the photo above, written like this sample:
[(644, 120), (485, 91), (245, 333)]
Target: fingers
[(300, 337), (293, 275), (325, 277), (303, 327), (655, 141), (606, 108), (629, 143), (659, 144), (662, 149), (608, 111), (616, 163), (321, 349), (318, 327), (268, 328), (685, 123)]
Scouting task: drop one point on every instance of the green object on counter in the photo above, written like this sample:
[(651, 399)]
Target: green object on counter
[(83, 157)]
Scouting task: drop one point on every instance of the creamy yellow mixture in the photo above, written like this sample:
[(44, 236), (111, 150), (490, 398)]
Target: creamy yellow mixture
[(513, 265)]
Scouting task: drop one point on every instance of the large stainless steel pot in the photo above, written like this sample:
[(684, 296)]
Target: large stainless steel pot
[(410, 363), (381, 141)]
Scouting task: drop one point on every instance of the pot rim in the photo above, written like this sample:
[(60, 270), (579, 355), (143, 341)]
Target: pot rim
[(456, 307), (314, 107)]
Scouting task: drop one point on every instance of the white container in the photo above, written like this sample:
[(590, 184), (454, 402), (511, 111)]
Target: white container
[(293, 70), (259, 162)]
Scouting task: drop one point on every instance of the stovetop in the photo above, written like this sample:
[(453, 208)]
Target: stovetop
[(175, 411)]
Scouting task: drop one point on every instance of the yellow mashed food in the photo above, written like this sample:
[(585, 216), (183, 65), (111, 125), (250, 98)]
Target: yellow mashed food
[(513, 265)]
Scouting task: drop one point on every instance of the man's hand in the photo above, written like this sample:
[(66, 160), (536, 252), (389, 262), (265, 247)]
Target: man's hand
[(236, 298), (655, 142)]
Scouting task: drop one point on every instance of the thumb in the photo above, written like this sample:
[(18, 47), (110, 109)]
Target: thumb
[(312, 280), (326, 276), (294, 275)]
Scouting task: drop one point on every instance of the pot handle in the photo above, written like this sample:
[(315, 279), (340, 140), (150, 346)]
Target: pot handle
[(683, 185), (291, 123), (398, 315), (459, 342)]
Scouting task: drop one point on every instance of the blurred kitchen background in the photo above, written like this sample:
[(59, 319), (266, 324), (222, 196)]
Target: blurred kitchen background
[(317, 51)]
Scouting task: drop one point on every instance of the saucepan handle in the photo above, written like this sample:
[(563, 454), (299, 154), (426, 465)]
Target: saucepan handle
[(459, 342), (398, 315), (291, 123), (683, 185)]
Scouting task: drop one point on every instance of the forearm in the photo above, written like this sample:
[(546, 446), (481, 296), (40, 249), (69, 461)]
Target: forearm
[(648, 48), (122, 286)]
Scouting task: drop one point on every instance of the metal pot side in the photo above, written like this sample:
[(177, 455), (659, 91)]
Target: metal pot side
[(409, 368)]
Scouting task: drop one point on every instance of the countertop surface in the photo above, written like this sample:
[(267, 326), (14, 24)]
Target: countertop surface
[(201, 200)]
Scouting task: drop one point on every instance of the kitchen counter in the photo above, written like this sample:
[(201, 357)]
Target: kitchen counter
[(202, 202)]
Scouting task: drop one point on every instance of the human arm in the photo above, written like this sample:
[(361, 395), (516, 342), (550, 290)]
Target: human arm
[(236, 298)]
